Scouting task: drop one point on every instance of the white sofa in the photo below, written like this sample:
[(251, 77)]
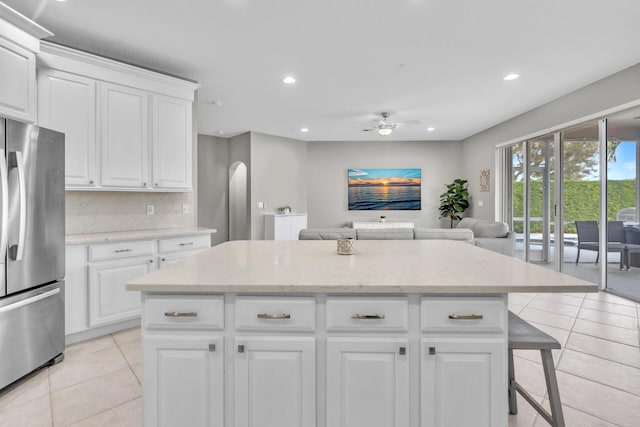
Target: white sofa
[(387, 234), (492, 235)]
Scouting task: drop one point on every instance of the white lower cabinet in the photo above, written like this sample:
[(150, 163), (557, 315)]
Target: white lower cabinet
[(183, 380), (275, 381), (109, 301), (463, 382), (367, 382), (324, 361)]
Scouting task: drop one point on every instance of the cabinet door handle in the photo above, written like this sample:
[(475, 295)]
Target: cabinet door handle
[(273, 316), (186, 244), (122, 250), (367, 316), (466, 316), (180, 314)]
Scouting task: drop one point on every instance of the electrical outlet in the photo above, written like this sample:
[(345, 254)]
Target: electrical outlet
[(260, 205), (151, 210), (185, 209)]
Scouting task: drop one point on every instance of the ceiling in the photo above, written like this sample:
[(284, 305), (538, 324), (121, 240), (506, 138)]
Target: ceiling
[(433, 63)]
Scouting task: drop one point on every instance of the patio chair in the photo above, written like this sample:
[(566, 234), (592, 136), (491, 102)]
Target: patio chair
[(588, 237), (632, 245), (616, 240)]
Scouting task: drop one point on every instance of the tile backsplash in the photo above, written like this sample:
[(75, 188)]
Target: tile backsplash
[(105, 211)]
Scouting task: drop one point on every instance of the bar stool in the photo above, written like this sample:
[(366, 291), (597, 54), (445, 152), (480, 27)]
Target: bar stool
[(524, 336)]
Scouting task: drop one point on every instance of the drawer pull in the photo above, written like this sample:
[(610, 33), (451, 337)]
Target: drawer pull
[(466, 316), (122, 250), (180, 314), (367, 316), (273, 316), (186, 244)]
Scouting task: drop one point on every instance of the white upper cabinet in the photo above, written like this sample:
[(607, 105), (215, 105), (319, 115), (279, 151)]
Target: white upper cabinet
[(19, 42), (67, 103), (124, 136), (172, 144), (138, 124)]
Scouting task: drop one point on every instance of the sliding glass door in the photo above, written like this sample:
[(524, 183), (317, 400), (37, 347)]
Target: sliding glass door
[(572, 199), (623, 134)]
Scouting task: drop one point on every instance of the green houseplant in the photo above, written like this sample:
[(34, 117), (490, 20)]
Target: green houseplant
[(454, 201)]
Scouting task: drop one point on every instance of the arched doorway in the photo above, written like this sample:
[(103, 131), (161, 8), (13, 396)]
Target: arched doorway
[(238, 224)]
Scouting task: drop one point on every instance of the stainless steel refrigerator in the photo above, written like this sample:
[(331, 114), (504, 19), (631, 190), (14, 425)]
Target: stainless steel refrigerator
[(31, 248)]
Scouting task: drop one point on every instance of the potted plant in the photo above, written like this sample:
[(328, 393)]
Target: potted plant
[(286, 209), (454, 201), (383, 218)]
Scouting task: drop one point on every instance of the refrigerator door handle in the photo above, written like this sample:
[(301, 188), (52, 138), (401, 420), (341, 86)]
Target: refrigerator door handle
[(4, 183), (31, 300), (19, 251)]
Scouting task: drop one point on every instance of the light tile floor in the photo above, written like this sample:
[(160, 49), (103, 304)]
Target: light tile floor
[(598, 370)]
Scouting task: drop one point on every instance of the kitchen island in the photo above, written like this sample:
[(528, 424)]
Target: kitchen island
[(289, 333)]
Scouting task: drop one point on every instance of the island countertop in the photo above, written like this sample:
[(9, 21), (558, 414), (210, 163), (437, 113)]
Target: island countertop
[(388, 266)]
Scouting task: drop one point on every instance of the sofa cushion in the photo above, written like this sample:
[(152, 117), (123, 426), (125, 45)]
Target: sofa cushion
[(326, 233), (464, 234), (484, 228), (385, 234)]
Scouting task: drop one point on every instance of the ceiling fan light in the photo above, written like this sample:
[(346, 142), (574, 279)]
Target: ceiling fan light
[(385, 130)]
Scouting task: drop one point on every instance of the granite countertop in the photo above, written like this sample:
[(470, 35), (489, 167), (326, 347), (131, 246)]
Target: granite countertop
[(384, 266), (82, 239)]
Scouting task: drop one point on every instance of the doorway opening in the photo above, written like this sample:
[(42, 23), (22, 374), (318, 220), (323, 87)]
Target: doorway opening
[(238, 204)]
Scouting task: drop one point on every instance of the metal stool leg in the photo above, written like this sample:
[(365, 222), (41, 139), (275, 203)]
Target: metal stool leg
[(557, 418), (513, 403)]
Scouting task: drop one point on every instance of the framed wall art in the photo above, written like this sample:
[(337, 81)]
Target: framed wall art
[(385, 189)]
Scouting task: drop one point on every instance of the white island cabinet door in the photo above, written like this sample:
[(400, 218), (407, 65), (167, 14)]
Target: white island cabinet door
[(367, 382), (124, 137), (183, 381), (67, 103), (172, 142), (463, 382), (275, 382)]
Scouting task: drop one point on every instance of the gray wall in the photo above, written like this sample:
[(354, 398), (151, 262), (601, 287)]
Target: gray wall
[(327, 177), (479, 150), (278, 176), (213, 186)]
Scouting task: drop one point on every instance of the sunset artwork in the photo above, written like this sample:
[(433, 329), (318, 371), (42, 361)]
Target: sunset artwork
[(384, 189)]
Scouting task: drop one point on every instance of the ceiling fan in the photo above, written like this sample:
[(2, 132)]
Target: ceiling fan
[(383, 127)]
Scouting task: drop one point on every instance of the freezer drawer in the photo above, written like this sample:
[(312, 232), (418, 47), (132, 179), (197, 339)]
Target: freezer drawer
[(31, 331)]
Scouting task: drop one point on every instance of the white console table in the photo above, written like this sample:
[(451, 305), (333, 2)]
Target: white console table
[(284, 226), (379, 225)]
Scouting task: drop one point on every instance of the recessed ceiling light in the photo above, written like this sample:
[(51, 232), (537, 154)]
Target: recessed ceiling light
[(511, 77), (431, 129), (61, 0), (304, 130), (289, 80)]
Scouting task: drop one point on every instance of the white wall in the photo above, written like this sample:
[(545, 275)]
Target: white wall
[(278, 176), (213, 186), (479, 150), (327, 177)]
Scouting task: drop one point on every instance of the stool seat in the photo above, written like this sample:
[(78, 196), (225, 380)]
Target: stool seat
[(525, 336)]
